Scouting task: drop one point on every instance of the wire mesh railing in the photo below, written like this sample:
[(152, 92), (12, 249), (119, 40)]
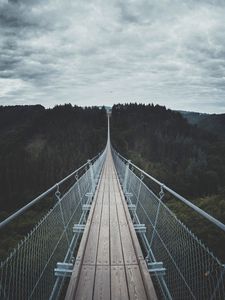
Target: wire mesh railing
[(28, 271), (190, 270)]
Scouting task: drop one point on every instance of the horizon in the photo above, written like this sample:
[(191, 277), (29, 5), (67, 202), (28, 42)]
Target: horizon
[(95, 52), (110, 106)]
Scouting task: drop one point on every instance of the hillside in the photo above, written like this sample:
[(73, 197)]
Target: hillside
[(40, 146), (184, 157), (214, 123)]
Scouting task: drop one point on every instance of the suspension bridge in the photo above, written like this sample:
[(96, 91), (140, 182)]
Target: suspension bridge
[(110, 235)]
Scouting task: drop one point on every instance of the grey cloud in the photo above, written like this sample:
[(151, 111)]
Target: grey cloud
[(171, 51), (15, 16)]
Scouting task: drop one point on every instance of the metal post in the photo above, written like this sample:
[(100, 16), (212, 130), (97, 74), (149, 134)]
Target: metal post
[(78, 188), (152, 258), (92, 176), (161, 195), (54, 292), (126, 176), (138, 196), (58, 194)]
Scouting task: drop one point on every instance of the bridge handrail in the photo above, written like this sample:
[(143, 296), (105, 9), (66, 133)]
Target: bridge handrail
[(51, 189), (175, 194)]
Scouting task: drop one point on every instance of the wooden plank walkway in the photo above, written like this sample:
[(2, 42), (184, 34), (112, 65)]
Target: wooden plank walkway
[(110, 264)]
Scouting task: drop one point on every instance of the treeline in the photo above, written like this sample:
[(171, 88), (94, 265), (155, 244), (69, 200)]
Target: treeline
[(162, 142), (183, 156), (214, 123), (39, 146)]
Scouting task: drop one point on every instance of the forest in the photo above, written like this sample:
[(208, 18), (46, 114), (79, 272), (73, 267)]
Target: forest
[(214, 123), (185, 157), (39, 146)]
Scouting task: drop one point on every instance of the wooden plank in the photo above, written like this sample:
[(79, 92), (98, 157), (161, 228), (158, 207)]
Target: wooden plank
[(103, 245), (111, 265), (115, 241), (90, 255), (118, 283), (133, 234), (136, 243), (92, 246), (127, 245), (149, 287), (86, 283), (126, 240), (115, 246), (92, 243), (71, 290), (135, 283), (85, 235), (88, 248), (102, 283), (79, 259)]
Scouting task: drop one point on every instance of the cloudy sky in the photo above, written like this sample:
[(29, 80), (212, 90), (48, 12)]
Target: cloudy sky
[(93, 52)]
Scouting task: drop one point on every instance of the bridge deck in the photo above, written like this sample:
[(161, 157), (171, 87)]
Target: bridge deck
[(110, 264)]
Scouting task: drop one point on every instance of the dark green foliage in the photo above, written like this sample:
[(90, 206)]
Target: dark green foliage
[(193, 117), (214, 123), (39, 146), (183, 156)]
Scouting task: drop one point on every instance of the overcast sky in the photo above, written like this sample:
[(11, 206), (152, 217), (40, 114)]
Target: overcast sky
[(170, 52)]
